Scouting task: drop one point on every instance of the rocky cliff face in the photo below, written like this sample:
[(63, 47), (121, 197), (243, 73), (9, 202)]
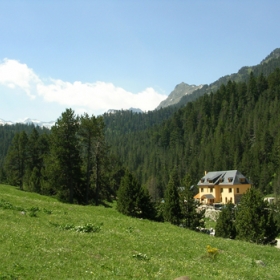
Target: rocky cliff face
[(175, 96)]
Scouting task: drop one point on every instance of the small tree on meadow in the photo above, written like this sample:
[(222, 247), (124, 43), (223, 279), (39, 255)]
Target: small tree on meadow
[(225, 226), (134, 200)]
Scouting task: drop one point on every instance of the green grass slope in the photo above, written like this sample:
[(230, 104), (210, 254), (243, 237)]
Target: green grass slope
[(41, 238)]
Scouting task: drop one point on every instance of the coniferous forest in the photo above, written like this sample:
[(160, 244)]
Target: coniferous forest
[(236, 127), (90, 160)]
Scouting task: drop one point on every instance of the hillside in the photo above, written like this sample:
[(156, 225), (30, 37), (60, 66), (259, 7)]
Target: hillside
[(235, 127), (42, 238)]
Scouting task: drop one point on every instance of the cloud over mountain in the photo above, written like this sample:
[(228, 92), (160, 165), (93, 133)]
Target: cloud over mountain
[(95, 97)]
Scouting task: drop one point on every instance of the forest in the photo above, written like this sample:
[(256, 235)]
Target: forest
[(236, 127)]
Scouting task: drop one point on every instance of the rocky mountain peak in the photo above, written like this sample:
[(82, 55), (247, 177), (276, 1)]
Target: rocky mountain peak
[(179, 91)]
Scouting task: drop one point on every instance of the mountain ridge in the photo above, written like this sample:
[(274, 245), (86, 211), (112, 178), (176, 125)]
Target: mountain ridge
[(265, 67)]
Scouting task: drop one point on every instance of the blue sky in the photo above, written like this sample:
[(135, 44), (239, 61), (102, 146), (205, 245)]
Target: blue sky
[(92, 56)]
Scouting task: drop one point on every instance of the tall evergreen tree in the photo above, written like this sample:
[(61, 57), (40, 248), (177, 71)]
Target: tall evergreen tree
[(225, 226), (15, 162), (64, 164), (172, 210), (191, 217), (88, 132), (34, 162)]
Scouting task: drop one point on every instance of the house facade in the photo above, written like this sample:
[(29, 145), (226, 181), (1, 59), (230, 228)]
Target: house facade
[(222, 187)]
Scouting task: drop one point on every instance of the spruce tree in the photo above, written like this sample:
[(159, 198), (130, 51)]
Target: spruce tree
[(133, 200), (225, 226), (64, 163), (172, 210), (15, 162), (191, 217)]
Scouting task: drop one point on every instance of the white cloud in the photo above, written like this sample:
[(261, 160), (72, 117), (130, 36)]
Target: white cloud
[(95, 97), (14, 74)]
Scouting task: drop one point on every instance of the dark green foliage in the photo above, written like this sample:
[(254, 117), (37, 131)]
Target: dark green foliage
[(64, 167), (225, 226), (254, 219), (191, 217), (15, 162), (133, 200), (172, 209), (93, 151)]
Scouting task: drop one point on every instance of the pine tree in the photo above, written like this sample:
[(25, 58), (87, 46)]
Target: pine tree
[(15, 162), (191, 217), (88, 132), (64, 163), (172, 211), (225, 226), (133, 200), (34, 162)]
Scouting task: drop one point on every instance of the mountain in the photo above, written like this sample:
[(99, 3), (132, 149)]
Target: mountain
[(265, 67), (30, 121), (179, 91), (134, 110), (2, 122)]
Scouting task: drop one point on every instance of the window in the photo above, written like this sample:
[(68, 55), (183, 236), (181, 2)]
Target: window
[(237, 190), (201, 189), (221, 180), (202, 180), (230, 179), (226, 199), (230, 199), (211, 189), (242, 180), (230, 190), (221, 190)]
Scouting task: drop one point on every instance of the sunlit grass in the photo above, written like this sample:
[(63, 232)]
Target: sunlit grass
[(47, 246)]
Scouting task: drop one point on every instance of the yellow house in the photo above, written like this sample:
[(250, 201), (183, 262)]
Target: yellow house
[(222, 187)]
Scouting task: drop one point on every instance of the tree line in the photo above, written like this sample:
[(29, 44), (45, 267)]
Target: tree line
[(70, 161)]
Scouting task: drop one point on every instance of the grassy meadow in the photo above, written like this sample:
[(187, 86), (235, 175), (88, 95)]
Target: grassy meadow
[(41, 238)]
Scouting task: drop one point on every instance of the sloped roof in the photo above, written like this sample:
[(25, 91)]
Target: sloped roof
[(228, 177), (208, 196), (197, 195)]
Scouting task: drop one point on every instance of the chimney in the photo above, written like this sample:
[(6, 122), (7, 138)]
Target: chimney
[(205, 172)]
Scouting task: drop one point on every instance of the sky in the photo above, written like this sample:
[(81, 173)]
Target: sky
[(96, 55)]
